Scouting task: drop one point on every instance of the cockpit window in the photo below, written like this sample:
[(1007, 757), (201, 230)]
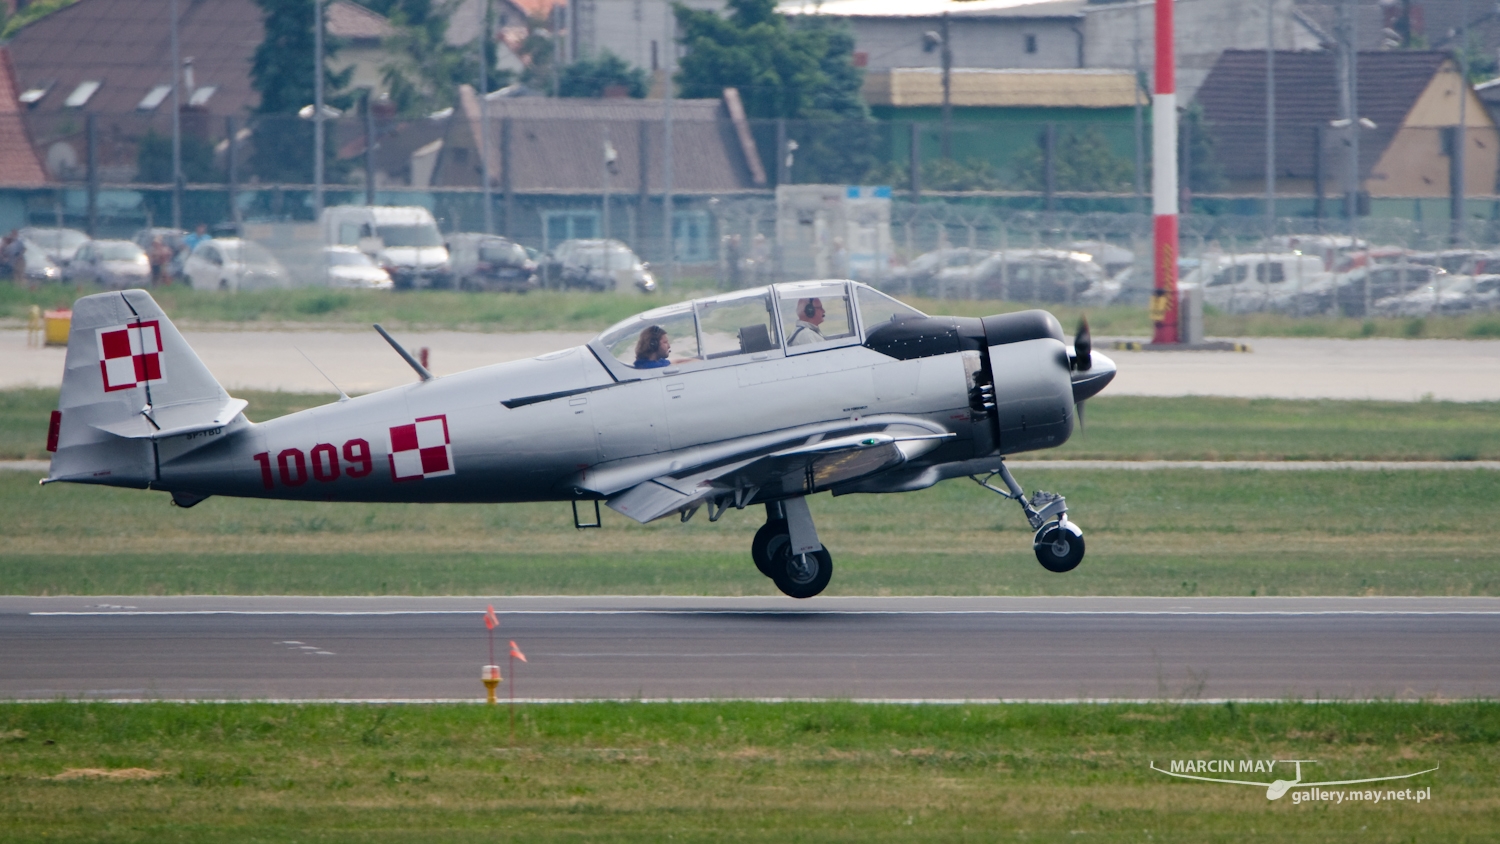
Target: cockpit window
[(737, 324), (655, 339), (876, 308), (814, 312)]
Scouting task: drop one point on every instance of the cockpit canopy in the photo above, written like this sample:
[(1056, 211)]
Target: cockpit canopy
[(784, 319)]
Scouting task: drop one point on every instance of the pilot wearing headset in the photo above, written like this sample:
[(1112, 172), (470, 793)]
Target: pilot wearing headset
[(810, 315)]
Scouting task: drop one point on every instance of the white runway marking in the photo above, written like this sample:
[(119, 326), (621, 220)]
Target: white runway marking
[(335, 613), (863, 701)]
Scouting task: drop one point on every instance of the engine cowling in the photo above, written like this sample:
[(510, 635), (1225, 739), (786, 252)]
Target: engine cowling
[(1030, 371)]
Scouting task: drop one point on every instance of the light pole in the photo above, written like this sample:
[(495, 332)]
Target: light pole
[(317, 109), (486, 33), (176, 124), (670, 92), (1270, 117)]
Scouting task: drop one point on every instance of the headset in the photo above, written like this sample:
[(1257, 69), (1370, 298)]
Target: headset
[(810, 310)]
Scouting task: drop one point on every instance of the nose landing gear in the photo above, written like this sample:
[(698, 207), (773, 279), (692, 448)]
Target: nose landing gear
[(1058, 543)]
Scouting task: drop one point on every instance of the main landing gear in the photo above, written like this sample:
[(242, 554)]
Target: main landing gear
[(786, 549), (1058, 542)]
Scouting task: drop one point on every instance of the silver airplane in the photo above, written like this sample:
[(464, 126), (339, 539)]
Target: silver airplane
[(756, 397)]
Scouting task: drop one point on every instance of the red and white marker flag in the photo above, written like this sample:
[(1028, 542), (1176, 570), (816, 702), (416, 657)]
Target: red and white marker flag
[(491, 621), (516, 652)]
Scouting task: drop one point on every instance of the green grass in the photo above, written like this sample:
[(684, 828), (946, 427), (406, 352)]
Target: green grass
[(1208, 428), (732, 772), (555, 310), (1119, 427), (1180, 532)]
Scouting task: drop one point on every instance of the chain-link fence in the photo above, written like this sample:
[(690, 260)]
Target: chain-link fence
[(1046, 212)]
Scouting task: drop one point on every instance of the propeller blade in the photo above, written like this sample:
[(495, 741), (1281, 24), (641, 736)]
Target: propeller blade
[(1081, 427), (1083, 346)]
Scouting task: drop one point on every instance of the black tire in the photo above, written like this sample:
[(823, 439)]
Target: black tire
[(802, 575), (760, 546), (1058, 550)]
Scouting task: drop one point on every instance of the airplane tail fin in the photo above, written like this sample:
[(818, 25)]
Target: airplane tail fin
[(130, 380)]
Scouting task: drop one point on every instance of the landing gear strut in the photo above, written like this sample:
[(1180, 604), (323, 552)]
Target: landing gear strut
[(788, 526), (1058, 543)]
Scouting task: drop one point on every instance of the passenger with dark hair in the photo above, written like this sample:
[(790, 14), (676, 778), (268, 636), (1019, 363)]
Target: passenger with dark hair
[(652, 348)]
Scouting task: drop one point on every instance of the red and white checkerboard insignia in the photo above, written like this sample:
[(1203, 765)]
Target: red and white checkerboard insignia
[(421, 449), (130, 355)]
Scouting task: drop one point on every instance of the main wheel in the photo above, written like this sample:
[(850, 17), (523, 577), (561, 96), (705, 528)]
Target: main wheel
[(760, 546), (800, 575), (1057, 549)]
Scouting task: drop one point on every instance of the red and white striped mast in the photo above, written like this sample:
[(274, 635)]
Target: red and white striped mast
[(1164, 180)]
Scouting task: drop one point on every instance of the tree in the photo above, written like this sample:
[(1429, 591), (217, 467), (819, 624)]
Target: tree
[(1195, 147), (595, 77), (425, 71), (154, 166), (1081, 161), (280, 72), (802, 71)]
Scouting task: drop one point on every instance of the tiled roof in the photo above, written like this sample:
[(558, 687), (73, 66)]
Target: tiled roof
[(126, 46), (935, 8), (343, 19), (1233, 98), (19, 165), (558, 145)]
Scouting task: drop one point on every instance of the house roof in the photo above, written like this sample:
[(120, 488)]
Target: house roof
[(356, 23), (557, 145), (1233, 99), (1003, 87), (125, 45), (19, 165), (935, 8)]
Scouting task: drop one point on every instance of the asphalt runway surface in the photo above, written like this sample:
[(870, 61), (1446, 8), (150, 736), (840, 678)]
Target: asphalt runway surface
[(929, 649), (1277, 367)]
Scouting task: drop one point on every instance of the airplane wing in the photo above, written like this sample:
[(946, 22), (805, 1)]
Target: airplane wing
[(796, 463)]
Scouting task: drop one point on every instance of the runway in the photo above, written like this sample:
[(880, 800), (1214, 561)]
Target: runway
[(655, 648)]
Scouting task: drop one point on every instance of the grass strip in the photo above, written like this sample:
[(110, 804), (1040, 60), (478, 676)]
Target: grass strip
[(567, 310), (1119, 427), (1176, 532), (734, 771)]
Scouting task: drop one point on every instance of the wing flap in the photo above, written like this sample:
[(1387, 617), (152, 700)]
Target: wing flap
[(799, 470)]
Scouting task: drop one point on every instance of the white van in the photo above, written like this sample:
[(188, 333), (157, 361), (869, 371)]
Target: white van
[(402, 239), (1254, 281)]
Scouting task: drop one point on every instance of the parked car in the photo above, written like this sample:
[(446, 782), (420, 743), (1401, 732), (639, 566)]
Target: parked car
[(1446, 294), (490, 262), (918, 272), (40, 268), (1350, 292), (60, 245), (601, 265), (231, 263), (403, 240), (116, 264), (1256, 281), (349, 267)]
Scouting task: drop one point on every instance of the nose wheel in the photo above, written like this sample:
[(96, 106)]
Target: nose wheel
[(1059, 546), (1058, 542)]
